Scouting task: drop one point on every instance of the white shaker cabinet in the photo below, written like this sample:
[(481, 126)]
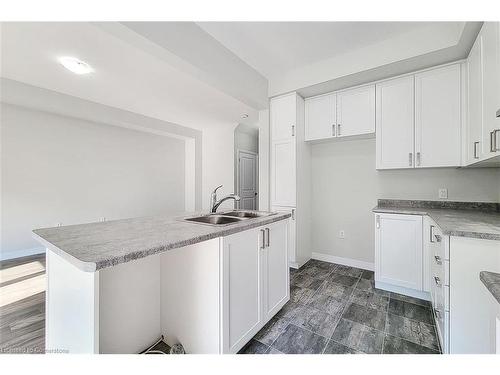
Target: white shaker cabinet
[(356, 111), (290, 170), (241, 286), (276, 287), (321, 117), (395, 123), (398, 252), (437, 117), (283, 173), (475, 102)]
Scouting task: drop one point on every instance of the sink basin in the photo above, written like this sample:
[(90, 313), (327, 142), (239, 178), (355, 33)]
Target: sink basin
[(215, 219), (246, 214)]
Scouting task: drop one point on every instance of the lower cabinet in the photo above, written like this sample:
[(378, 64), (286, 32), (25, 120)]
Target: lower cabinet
[(398, 252), (255, 282), (292, 234), (411, 245)]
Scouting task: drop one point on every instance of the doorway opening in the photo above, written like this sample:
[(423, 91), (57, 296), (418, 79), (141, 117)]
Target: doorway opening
[(246, 166)]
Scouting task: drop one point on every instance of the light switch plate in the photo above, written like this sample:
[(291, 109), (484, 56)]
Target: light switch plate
[(443, 193), (342, 234)]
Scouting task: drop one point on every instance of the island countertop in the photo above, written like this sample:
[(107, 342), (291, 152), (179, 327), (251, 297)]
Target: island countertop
[(462, 219), (95, 246)]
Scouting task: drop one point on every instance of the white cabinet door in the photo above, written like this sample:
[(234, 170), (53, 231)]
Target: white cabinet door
[(320, 117), (394, 123), (356, 111), (283, 117), (241, 288), (475, 102), (276, 271), (283, 173), (398, 250), (437, 117), (490, 35), (292, 234)]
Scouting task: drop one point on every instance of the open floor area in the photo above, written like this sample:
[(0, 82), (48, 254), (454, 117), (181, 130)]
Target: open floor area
[(335, 309)]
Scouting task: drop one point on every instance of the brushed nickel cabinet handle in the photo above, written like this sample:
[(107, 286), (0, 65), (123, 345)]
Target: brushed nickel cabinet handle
[(263, 245), (431, 232), (476, 156), (268, 241), (338, 129), (493, 146), (497, 148), (437, 280), (293, 214), (293, 130), (377, 221), (418, 158), (333, 130), (410, 159)]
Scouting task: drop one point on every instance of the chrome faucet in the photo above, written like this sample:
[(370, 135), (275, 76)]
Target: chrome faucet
[(214, 203)]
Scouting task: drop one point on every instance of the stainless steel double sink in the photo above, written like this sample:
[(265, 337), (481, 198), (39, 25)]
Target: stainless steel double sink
[(230, 217)]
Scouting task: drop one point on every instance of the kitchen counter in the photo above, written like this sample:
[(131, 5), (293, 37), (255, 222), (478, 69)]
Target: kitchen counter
[(462, 219), (95, 246), (492, 282)]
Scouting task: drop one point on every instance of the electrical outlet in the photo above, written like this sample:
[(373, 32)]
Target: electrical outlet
[(102, 219), (342, 234), (443, 193), (58, 224)]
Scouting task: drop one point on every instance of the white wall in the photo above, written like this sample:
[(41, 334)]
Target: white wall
[(346, 186), (264, 160), (218, 163), (57, 169)]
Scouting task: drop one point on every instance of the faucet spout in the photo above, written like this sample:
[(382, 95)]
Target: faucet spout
[(219, 202)]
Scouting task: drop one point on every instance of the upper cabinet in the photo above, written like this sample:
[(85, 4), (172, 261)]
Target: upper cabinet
[(483, 99), (395, 123), (356, 111), (438, 117), (321, 117), (475, 101), (418, 120), (341, 114), (283, 117)]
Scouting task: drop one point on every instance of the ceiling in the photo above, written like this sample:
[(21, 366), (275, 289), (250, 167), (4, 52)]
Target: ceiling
[(125, 76), (274, 47)]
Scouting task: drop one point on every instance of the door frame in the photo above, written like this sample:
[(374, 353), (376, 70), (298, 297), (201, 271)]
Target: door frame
[(238, 153)]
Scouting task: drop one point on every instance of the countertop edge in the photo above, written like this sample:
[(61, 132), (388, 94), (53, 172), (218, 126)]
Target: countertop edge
[(97, 266), (423, 211), (492, 286)]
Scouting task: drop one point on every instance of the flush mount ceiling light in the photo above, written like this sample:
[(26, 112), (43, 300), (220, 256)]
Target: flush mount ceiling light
[(74, 65)]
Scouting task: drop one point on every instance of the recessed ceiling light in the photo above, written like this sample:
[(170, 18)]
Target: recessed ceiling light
[(244, 115), (74, 65)]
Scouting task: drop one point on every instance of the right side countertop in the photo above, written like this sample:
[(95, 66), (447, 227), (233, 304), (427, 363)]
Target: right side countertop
[(462, 219)]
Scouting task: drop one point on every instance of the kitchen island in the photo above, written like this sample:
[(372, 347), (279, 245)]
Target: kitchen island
[(117, 286)]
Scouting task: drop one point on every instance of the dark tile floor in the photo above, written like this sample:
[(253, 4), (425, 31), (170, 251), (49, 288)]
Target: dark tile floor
[(335, 309)]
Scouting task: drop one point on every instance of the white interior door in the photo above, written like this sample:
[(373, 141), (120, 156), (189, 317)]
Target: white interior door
[(437, 117), (395, 123), (247, 180), (320, 117), (356, 111)]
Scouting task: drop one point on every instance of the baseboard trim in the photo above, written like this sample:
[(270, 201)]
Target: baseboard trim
[(344, 261), (7, 255), (402, 290)]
